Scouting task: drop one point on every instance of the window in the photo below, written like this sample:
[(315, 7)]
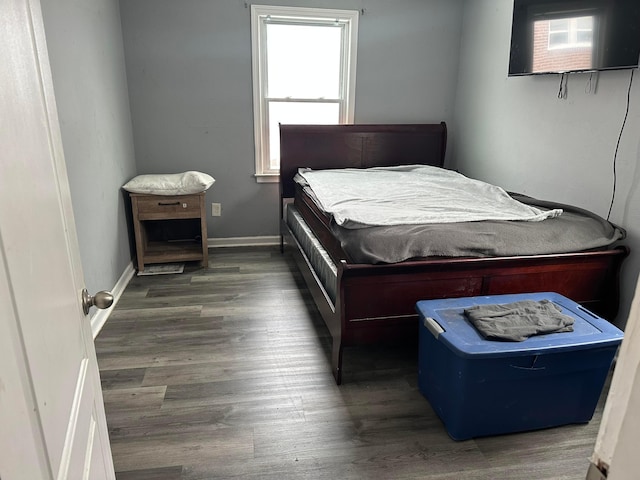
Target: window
[(571, 32), (303, 72)]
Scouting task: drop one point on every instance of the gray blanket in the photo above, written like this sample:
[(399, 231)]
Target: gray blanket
[(574, 231), (518, 321)]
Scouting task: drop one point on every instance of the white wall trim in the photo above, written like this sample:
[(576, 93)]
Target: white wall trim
[(243, 241), (99, 318)]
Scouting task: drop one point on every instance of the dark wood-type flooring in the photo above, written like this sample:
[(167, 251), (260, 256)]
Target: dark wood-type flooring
[(224, 373)]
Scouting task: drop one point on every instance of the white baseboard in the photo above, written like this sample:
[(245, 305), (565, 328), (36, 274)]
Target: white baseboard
[(244, 241), (99, 318), (594, 473)]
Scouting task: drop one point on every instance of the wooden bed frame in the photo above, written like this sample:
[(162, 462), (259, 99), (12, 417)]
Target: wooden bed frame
[(376, 303)]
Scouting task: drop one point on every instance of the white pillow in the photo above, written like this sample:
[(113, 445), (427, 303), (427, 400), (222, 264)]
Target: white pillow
[(170, 184)]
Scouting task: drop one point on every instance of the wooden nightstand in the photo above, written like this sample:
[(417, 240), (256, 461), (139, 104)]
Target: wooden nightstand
[(170, 228)]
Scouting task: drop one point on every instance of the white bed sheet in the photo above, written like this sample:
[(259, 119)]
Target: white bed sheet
[(412, 195)]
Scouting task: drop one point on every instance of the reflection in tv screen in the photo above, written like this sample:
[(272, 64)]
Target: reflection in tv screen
[(559, 36)]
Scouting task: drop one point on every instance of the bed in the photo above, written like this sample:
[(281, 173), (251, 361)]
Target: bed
[(371, 302)]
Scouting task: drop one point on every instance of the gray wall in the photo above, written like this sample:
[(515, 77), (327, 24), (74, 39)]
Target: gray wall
[(84, 40), (189, 76), (516, 133)]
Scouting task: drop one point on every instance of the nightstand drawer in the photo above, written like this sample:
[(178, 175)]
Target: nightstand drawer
[(152, 207)]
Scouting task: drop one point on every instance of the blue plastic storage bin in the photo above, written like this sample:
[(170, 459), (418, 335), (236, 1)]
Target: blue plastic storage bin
[(482, 387)]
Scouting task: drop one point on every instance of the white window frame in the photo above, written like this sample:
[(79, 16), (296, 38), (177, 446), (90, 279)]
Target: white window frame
[(260, 16)]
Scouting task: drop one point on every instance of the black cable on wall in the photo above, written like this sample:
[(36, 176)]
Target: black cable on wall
[(615, 155)]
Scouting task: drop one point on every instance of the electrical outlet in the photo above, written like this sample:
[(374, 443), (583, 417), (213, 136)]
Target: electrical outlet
[(216, 209)]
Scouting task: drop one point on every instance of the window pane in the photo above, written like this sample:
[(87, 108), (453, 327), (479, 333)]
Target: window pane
[(559, 25), (585, 30), (585, 23), (303, 61), (559, 38), (296, 113), (585, 37)]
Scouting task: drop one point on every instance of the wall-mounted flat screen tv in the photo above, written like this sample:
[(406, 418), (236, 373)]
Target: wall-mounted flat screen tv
[(563, 36)]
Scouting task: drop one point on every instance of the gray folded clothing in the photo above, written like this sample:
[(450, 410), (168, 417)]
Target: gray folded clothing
[(518, 321)]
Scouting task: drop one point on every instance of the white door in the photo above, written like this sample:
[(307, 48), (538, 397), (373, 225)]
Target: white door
[(617, 443), (52, 421)]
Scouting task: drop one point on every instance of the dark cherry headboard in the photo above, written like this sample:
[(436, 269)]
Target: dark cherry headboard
[(357, 146)]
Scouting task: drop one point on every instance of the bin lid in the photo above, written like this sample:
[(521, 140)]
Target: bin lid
[(446, 320)]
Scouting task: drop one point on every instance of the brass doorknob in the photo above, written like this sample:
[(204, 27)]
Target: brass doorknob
[(100, 300)]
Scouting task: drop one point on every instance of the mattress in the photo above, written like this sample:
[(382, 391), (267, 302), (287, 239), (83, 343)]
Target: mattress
[(316, 254)]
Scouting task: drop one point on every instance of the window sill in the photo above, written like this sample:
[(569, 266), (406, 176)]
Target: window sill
[(267, 177)]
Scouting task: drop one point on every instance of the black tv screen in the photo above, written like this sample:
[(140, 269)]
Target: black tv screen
[(563, 36)]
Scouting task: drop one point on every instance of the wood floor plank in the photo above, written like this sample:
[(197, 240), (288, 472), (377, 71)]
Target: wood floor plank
[(224, 372), (124, 378), (136, 398), (206, 444), (166, 473)]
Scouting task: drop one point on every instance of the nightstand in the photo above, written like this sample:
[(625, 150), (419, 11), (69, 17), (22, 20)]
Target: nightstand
[(169, 228)]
